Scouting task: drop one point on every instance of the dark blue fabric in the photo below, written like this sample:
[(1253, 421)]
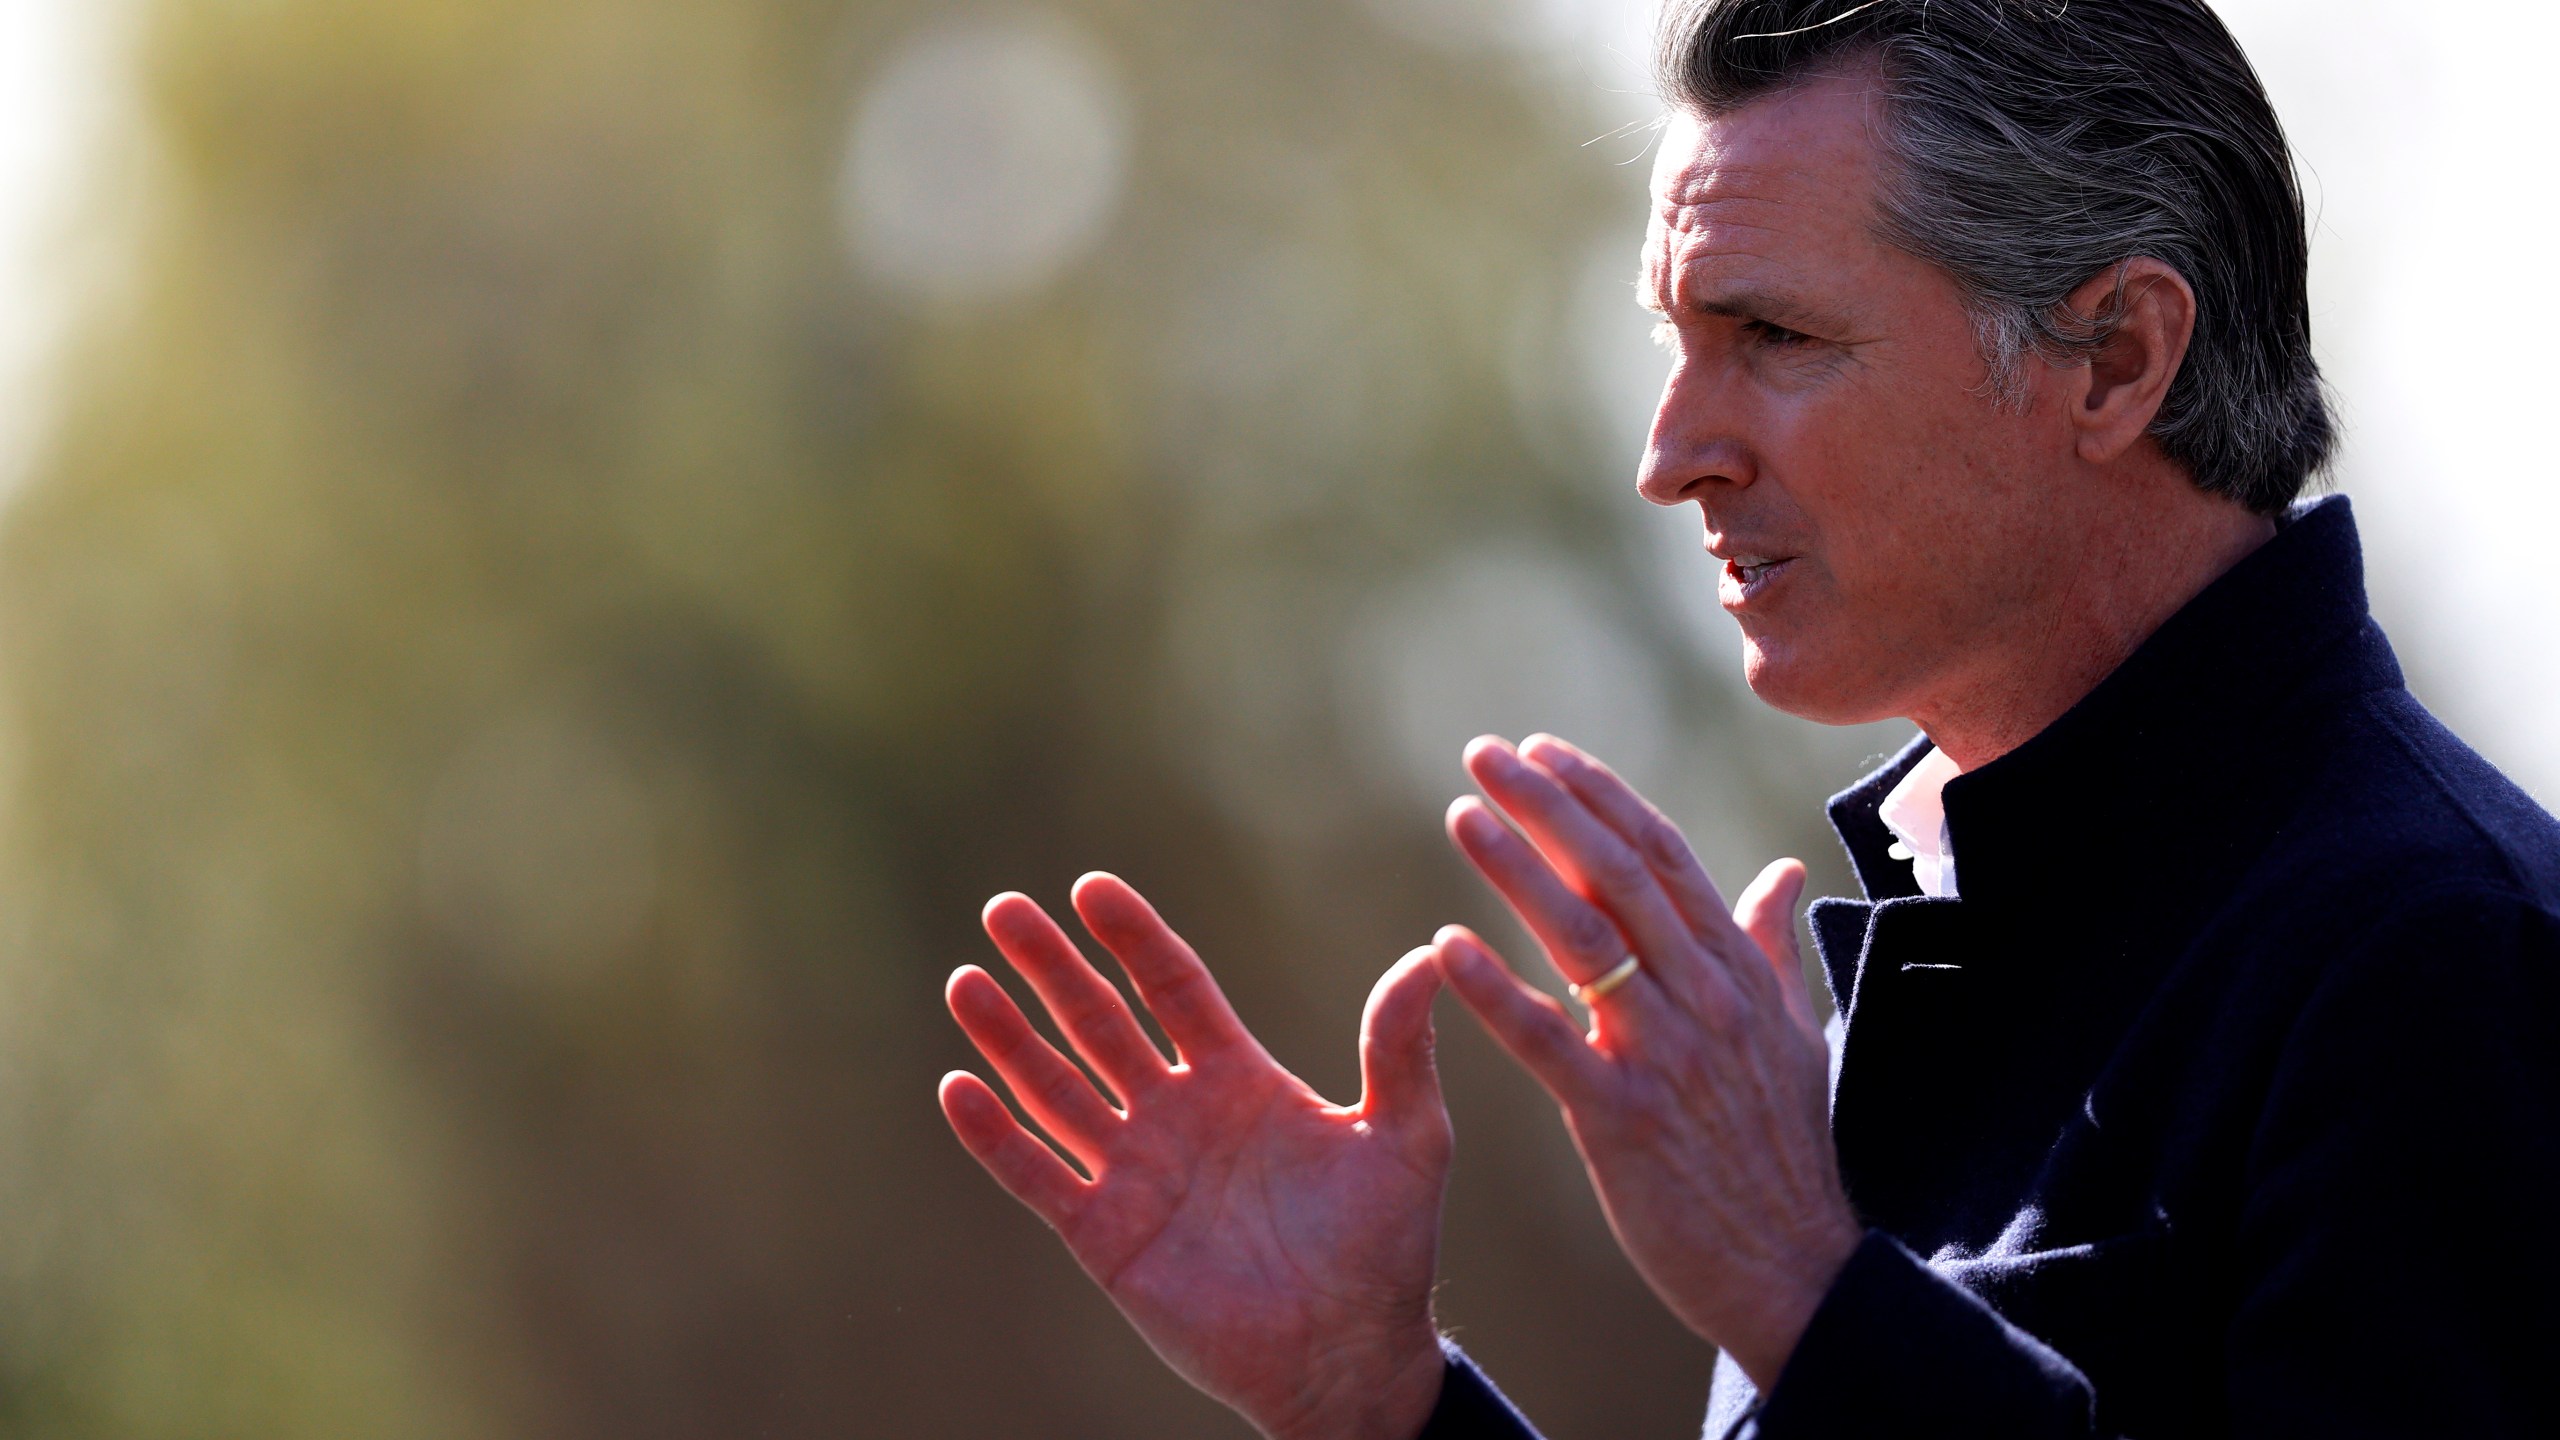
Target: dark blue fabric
[(1469, 1405), (2224, 1102)]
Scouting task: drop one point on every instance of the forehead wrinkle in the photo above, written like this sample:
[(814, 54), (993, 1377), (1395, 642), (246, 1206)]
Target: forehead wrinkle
[(1723, 224), (1691, 269), (1687, 220), (1706, 252), (1712, 178), (1682, 238)]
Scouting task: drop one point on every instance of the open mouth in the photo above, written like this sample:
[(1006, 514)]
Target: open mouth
[(1752, 573)]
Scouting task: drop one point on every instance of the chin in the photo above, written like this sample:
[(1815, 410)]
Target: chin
[(1813, 683)]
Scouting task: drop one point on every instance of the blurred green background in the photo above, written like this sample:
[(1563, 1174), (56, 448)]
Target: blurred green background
[(577, 542)]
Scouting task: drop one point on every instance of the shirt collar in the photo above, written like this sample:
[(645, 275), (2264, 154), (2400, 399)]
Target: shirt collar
[(1915, 810)]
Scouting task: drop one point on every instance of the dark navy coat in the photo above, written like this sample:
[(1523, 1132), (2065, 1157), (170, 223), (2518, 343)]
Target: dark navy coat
[(2226, 1099)]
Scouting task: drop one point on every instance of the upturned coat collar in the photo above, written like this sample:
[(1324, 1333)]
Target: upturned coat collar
[(2114, 804), (2088, 862)]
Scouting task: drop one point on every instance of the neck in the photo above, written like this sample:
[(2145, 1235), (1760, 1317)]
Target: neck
[(2127, 579)]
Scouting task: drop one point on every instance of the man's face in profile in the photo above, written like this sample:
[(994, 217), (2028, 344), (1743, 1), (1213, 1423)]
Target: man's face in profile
[(1881, 516)]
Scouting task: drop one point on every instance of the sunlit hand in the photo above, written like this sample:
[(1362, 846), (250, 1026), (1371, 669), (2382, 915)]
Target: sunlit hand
[(1697, 1097), (1275, 1249)]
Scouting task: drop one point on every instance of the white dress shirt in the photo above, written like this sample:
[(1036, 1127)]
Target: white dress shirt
[(1916, 813)]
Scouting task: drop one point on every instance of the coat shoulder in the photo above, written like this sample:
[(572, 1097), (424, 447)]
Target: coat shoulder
[(2395, 809), (2400, 849)]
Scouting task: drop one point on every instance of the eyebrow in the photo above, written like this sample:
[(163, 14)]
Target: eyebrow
[(1747, 302)]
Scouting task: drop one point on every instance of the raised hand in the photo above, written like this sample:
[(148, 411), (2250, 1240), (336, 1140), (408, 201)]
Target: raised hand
[(1276, 1250), (1698, 1095)]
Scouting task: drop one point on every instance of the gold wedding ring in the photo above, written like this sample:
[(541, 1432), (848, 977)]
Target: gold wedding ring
[(1624, 971)]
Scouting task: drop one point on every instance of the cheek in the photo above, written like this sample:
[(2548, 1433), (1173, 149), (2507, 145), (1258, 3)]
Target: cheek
[(1871, 488), (1921, 498)]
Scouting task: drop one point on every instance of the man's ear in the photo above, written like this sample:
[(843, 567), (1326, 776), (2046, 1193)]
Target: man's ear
[(2147, 313)]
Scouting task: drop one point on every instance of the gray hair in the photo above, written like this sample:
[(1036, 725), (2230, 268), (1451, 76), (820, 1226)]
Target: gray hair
[(2033, 145)]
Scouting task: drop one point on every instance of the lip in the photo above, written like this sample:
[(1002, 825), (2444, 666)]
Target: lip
[(1748, 578)]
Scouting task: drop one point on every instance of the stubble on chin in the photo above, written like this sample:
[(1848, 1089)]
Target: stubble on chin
[(1828, 685), (1766, 668)]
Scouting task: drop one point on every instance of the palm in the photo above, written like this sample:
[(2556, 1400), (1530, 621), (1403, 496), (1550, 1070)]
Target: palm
[(1277, 1250), (1241, 1216)]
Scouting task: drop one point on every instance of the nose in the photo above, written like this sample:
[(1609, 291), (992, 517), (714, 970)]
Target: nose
[(1696, 445)]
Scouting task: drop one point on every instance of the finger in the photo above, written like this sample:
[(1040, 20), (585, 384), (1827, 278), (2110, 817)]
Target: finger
[(1399, 1078), (1767, 913), (1724, 969), (1056, 1093), (1600, 866), (1584, 942), (1647, 830), (1089, 1009), (1524, 1020), (1028, 1170), (1169, 974), (1581, 940)]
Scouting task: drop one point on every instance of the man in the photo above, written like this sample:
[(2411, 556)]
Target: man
[(2188, 1083)]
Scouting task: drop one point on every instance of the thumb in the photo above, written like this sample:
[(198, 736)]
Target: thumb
[(1399, 1078), (1767, 913)]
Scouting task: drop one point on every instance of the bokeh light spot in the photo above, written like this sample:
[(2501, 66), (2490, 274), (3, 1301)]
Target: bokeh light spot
[(1507, 641), (986, 157)]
